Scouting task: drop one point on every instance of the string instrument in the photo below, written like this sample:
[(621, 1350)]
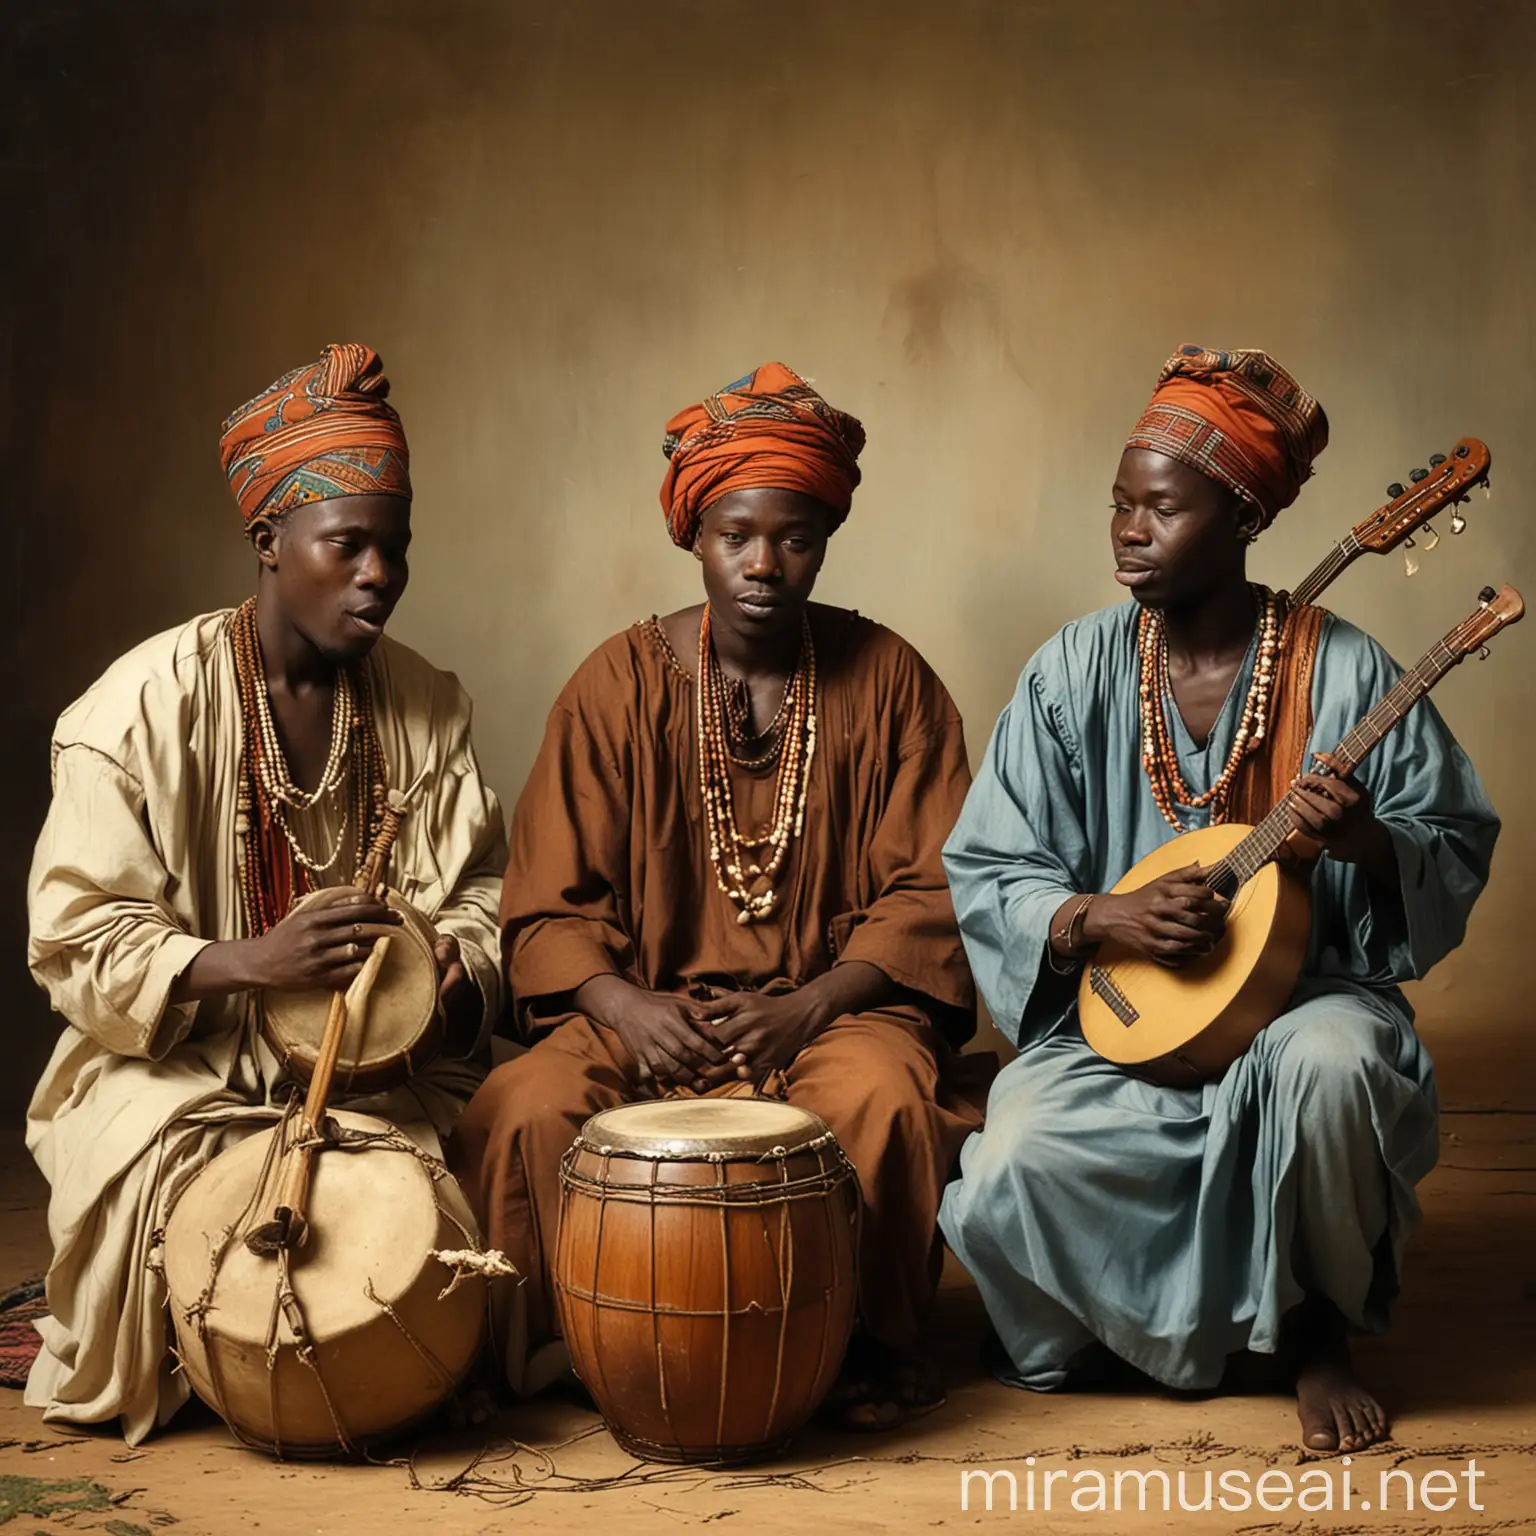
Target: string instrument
[(1447, 482), (325, 1276), (287, 1226), (1187, 1025)]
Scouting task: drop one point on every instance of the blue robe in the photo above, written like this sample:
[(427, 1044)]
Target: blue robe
[(1177, 1225)]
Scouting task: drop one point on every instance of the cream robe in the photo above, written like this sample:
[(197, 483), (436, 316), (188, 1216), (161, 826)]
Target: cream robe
[(134, 873)]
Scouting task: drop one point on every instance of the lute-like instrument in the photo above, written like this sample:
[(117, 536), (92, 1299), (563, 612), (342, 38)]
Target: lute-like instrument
[(1187, 1025), (288, 1225), (325, 1276), (1447, 482)]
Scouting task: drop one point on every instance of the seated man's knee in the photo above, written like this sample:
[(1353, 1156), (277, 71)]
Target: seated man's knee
[(1024, 1138), (878, 1077), (1333, 1055), (897, 1087), (531, 1090)]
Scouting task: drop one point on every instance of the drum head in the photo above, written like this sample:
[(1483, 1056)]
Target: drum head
[(373, 1214), (382, 1046), (684, 1129), (364, 1328)]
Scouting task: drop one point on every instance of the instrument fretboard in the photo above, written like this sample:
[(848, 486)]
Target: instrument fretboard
[(1328, 570), (1228, 875)]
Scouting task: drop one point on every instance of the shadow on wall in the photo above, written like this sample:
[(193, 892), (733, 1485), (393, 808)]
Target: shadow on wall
[(979, 227)]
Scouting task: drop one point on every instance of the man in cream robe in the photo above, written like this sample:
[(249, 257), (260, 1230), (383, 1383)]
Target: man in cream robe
[(134, 875)]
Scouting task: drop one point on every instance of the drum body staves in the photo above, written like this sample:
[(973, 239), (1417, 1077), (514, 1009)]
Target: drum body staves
[(706, 1273)]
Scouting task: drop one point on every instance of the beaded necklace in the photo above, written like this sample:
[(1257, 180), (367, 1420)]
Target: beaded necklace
[(1159, 755), (746, 866), (738, 721), (275, 868)]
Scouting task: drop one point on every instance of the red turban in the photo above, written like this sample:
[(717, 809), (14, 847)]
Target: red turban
[(1238, 417), (768, 429), (323, 430)]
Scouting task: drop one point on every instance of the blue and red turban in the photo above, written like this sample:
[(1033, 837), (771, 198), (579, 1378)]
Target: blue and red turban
[(323, 430), (1239, 418)]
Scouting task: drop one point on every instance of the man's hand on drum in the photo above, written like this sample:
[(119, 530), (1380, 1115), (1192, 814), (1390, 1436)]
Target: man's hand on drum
[(665, 1034), (323, 946), (457, 996)]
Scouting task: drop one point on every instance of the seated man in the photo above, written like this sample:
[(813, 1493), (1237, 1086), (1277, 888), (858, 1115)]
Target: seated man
[(1178, 1226), (208, 778), (726, 861)]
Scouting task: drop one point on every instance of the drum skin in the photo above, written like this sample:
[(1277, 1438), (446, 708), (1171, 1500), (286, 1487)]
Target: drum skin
[(386, 1349), (707, 1280), (401, 1029)]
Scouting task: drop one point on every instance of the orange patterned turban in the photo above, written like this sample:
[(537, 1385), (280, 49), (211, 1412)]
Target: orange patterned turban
[(323, 430), (768, 429), (1239, 418)]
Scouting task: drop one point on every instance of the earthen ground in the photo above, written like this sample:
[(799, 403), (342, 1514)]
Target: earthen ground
[(1458, 1372)]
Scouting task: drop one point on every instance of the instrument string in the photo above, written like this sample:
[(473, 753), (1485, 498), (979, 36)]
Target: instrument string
[(1327, 570), (1233, 871)]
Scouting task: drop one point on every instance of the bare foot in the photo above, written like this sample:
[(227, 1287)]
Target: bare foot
[(1337, 1413), (881, 1387)]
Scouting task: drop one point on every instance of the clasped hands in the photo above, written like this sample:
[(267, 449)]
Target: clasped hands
[(702, 1043)]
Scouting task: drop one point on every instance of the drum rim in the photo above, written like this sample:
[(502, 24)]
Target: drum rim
[(367, 1075), (723, 1148)]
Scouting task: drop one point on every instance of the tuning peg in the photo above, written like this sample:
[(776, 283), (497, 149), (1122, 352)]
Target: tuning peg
[(1482, 653), (1436, 460), (1487, 489), (1410, 560), (1431, 538), (1458, 522), (1418, 474), (1395, 489)]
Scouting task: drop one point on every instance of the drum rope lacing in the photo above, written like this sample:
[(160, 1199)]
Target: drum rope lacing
[(286, 1305), (834, 1175), (817, 1186), (810, 1186), (677, 1152), (745, 1195)]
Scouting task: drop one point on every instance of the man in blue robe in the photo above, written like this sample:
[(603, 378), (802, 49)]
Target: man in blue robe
[(1267, 1211)]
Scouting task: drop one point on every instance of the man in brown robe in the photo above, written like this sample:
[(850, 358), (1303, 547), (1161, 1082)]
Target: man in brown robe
[(653, 947)]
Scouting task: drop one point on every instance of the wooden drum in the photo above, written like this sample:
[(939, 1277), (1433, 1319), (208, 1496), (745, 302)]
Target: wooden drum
[(329, 1347), (706, 1272), (395, 1035)]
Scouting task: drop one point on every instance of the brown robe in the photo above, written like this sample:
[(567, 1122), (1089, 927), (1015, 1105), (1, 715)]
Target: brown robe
[(609, 873)]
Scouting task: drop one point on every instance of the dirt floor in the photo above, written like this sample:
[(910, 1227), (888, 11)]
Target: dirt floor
[(1459, 1373)]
